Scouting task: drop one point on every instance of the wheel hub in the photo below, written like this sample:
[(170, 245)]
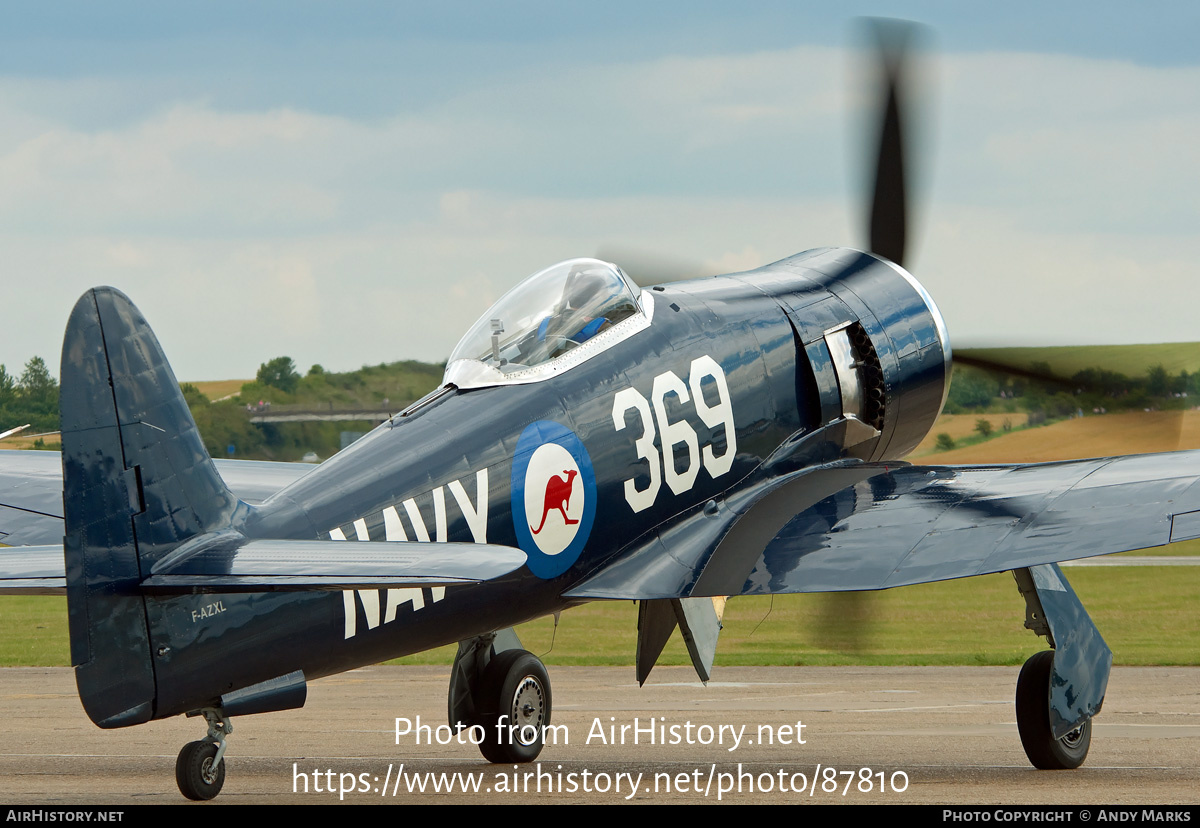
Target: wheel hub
[(1073, 738), (208, 771), (528, 710)]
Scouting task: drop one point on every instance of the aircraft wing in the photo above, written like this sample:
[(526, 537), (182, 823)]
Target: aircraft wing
[(31, 511), (32, 570), (30, 498), (863, 526)]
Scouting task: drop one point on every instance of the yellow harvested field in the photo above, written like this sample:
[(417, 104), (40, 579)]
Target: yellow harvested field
[(1095, 436), (959, 426), (216, 389), (24, 440)]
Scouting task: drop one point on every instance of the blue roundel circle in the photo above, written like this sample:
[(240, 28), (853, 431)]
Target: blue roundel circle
[(553, 497)]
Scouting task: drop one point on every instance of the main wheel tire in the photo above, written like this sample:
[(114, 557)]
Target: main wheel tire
[(197, 777), (1033, 720), (514, 704)]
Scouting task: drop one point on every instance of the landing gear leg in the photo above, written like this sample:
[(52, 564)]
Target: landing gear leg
[(1059, 690), (200, 768)]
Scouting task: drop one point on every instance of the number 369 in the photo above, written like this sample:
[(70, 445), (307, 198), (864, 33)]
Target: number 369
[(678, 432)]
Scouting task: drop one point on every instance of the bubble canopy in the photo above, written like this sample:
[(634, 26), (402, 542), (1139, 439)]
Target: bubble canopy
[(548, 323)]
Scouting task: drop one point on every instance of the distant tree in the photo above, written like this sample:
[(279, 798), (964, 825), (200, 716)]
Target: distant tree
[(1110, 383), (34, 400), (279, 373), (1180, 384), (984, 427), (1157, 381), (945, 442), (192, 395), (316, 371), (1061, 404), (7, 386), (972, 389), (36, 384)]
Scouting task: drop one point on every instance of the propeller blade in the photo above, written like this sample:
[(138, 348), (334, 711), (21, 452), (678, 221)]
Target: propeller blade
[(888, 219), (1025, 370)]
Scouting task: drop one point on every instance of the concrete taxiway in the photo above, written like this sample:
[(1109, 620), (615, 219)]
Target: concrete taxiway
[(887, 734)]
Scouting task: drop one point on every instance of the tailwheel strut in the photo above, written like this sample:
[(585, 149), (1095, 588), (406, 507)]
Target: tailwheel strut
[(200, 768)]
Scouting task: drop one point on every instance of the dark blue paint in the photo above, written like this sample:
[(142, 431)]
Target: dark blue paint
[(143, 451), (1082, 660)]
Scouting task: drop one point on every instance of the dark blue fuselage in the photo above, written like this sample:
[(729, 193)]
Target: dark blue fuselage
[(652, 415)]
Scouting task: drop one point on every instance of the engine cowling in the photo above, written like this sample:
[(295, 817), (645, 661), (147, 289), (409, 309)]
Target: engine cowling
[(874, 340)]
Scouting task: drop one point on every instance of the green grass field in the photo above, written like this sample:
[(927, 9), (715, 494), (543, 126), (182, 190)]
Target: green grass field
[(1148, 615)]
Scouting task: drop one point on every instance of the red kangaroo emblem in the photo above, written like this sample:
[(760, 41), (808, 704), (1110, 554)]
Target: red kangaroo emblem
[(558, 496)]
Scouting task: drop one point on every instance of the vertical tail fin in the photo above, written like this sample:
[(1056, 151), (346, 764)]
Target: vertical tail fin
[(137, 481)]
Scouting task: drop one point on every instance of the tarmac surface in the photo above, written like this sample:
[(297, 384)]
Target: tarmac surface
[(944, 735)]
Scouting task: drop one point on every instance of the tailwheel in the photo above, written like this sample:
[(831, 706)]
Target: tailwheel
[(1033, 720), (200, 768), (514, 707), (198, 772)]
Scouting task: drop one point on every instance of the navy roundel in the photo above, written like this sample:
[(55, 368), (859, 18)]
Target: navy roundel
[(553, 497)]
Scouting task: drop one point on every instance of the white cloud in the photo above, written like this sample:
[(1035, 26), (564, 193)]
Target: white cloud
[(1061, 200), (1072, 142)]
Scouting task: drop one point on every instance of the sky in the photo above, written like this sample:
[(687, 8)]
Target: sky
[(356, 183)]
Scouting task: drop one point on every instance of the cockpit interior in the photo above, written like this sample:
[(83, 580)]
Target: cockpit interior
[(579, 307)]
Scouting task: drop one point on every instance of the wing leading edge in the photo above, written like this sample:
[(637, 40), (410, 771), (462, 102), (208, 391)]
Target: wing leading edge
[(900, 525), (231, 563)]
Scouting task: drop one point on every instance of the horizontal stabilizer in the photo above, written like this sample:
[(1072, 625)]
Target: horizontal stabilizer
[(227, 562), (233, 564)]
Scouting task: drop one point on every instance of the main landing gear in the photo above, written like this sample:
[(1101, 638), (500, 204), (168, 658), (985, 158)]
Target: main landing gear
[(200, 768), (514, 707), (505, 693), (1059, 691), (1033, 720)]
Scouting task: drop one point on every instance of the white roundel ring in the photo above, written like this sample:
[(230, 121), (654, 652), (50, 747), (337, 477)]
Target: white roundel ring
[(553, 497)]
